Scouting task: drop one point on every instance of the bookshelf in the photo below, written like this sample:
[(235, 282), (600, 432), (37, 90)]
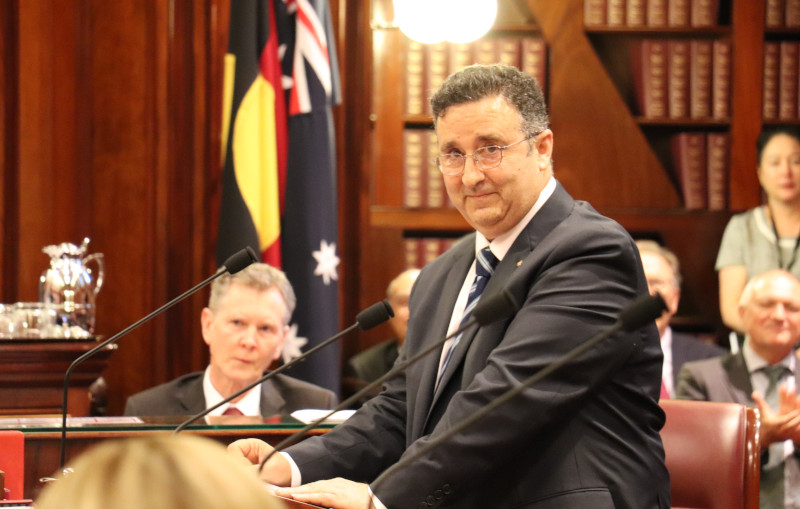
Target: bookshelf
[(781, 74), (605, 151)]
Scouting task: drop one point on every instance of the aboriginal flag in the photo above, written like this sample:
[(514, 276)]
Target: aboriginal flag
[(254, 135)]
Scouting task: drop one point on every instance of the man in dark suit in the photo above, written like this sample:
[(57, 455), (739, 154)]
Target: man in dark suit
[(764, 374), (586, 436), (245, 325), (663, 273), (376, 361)]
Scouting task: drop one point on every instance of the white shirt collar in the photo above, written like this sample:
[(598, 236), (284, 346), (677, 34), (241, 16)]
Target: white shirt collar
[(250, 404), (666, 368), (502, 243)]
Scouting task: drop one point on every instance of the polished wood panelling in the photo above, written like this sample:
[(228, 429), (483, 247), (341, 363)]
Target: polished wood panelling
[(32, 376), (108, 133)]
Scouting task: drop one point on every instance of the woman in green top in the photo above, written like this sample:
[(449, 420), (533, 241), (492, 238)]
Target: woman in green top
[(768, 236)]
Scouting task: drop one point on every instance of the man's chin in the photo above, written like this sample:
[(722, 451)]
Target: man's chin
[(482, 216), (243, 380)]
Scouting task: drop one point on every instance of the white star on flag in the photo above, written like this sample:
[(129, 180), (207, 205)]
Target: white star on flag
[(292, 346), (327, 262)]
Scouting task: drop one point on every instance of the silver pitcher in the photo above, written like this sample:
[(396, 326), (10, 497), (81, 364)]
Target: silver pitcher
[(70, 285)]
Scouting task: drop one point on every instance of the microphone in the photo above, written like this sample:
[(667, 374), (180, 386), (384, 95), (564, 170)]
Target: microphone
[(371, 317), (488, 310), (637, 314), (232, 265)]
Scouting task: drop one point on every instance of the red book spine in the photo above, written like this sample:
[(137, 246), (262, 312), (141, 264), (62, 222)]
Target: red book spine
[(508, 51), (720, 80), (700, 78), (787, 81), (770, 85), (415, 78), (436, 68), (534, 60), (792, 13), (679, 13), (431, 249), (775, 11), (414, 167), (594, 13), (649, 67), (460, 56), (636, 13), (678, 79), (704, 13), (718, 162), (689, 156), (486, 51), (411, 251), (436, 196), (616, 13), (657, 13)]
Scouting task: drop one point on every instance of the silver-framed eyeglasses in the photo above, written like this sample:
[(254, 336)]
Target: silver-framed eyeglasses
[(485, 158)]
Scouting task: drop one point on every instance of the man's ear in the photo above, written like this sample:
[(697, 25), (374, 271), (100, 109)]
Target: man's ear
[(206, 319), (279, 349), (544, 144), (677, 300)]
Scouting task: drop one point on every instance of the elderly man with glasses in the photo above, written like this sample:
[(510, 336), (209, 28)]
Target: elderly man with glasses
[(587, 435)]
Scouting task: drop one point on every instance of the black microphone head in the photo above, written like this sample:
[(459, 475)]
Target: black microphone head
[(240, 260), (495, 307), (641, 311), (374, 315)]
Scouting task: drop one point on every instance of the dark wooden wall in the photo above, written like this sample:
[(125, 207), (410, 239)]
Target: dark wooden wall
[(110, 130)]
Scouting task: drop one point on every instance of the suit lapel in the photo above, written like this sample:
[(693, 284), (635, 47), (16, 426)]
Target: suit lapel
[(739, 387), (272, 402), (192, 397), (554, 211), (453, 281)]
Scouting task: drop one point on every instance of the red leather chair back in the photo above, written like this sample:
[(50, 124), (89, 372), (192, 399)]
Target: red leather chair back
[(12, 462), (713, 454)]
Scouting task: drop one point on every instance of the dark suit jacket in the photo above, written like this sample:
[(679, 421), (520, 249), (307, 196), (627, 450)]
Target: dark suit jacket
[(374, 362), (366, 367), (587, 436), (686, 348), (184, 396)]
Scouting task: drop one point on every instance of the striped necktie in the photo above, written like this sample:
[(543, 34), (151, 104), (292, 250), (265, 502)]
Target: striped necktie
[(484, 268)]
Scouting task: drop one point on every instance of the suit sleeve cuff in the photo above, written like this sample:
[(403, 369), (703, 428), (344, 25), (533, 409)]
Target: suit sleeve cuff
[(297, 479)]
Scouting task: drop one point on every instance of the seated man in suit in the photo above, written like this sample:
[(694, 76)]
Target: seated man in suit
[(663, 273), (244, 326), (762, 373), (375, 361)]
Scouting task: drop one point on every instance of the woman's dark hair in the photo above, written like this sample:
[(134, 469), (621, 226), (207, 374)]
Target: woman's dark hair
[(769, 132)]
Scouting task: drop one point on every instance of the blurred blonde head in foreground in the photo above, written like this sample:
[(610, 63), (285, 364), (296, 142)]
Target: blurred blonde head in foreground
[(161, 472)]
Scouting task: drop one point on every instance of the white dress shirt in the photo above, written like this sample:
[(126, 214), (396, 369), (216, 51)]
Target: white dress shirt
[(250, 404)]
